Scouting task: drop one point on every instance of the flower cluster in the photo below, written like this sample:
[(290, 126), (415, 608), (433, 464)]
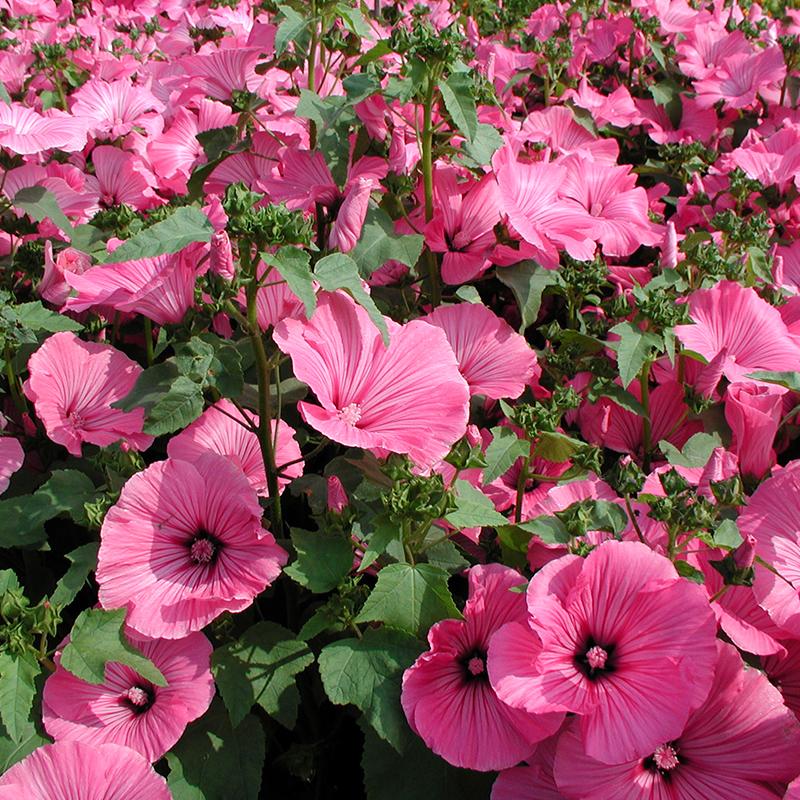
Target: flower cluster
[(398, 383)]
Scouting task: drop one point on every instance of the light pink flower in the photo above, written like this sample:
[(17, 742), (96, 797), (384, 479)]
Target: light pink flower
[(25, 132), (494, 360), (122, 177), (127, 709), (771, 516), (463, 224), (220, 430), (346, 229), (742, 742), (274, 301), (754, 412), (746, 332), (89, 772), (72, 385), (408, 397), (447, 697), (161, 288), (617, 638), (11, 457), (218, 74), (183, 544), (114, 108), (740, 78), (53, 286)]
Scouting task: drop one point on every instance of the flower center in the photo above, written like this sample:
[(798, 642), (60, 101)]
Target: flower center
[(204, 548), (665, 757), (594, 659), (76, 421), (474, 664), (350, 414), (138, 698)]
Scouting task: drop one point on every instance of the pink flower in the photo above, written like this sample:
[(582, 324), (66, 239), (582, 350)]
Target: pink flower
[(535, 781), (408, 397), (346, 229), (741, 743), (161, 288), (127, 709), (734, 323), (275, 301), (740, 78), (447, 697), (220, 258), (463, 224), (25, 132), (121, 177), (72, 385), (183, 544), (754, 412), (114, 108), (218, 74), (11, 457), (220, 429), (783, 671), (85, 771), (771, 517), (494, 360), (617, 638), (53, 286), (615, 205)]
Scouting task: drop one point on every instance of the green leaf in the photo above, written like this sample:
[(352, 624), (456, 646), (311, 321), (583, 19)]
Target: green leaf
[(478, 151), (215, 761), (469, 294), (607, 516), (417, 774), (384, 532), (98, 637), (183, 227), (83, 560), (40, 204), (444, 554), (22, 518), (333, 116), (89, 239), (293, 264), (289, 30), (633, 349), (193, 358), (217, 141), (791, 380), (528, 280), (150, 387), (503, 451), (182, 405), (260, 668), (353, 20), (381, 49), (225, 372), (473, 508), (368, 673), (17, 690), (727, 535), (686, 570), (4, 96), (36, 317), (760, 265), (323, 560), (338, 271), (379, 243), (409, 597), (556, 447), (11, 752), (623, 398), (360, 86), (695, 453), (550, 530), (460, 104)]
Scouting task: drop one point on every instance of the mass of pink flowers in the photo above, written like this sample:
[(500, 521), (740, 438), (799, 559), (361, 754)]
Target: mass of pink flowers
[(399, 399)]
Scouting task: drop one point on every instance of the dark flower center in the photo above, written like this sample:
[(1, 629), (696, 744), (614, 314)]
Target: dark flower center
[(664, 760), (204, 548), (139, 698), (594, 659), (474, 665)]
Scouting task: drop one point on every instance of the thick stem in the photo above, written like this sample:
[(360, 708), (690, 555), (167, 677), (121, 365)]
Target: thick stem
[(264, 384), (427, 180), (522, 480), (148, 340)]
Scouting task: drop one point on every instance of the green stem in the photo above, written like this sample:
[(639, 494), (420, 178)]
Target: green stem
[(148, 340), (522, 479), (633, 519), (312, 71), (427, 180), (264, 384), (13, 386)]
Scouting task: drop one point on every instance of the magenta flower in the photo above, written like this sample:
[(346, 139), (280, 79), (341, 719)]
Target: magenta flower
[(161, 288), (617, 638), (72, 385), (25, 132), (447, 697), (183, 544), (734, 323), (11, 458), (771, 517), (408, 397), (742, 742), (494, 360), (220, 429), (85, 771), (128, 710), (463, 224), (535, 780)]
